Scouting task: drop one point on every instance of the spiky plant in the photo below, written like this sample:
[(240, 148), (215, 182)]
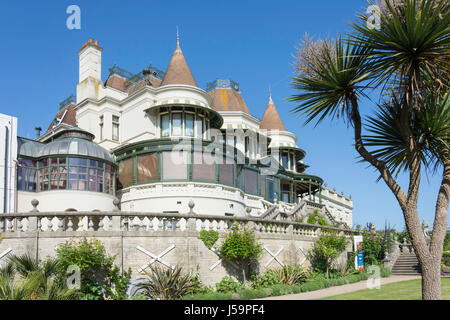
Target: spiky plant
[(166, 283)]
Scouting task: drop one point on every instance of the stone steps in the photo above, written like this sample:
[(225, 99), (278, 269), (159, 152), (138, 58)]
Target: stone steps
[(406, 264)]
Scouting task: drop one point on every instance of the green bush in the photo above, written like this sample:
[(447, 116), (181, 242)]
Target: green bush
[(312, 286), (373, 248), (240, 246), (446, 258), (384, 272), (326, 249), (228, 285), (209, 237), (267, 279), (447, 241), (281, 289), (98, 272), (403, 236), (312, 219), (197, 286)]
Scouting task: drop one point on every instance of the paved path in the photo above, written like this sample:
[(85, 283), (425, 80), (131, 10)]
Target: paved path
[(333, 291)]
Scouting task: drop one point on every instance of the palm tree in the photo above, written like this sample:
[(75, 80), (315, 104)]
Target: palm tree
[(408, 57)]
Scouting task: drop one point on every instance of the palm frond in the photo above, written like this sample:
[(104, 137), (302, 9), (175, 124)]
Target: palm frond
[(336, 83), (430, 126), (413, 41)]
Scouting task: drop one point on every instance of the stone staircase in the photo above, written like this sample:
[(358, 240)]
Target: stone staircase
[(406, 264)]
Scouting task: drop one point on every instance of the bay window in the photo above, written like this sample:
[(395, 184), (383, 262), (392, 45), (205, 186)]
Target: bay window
[(179, 122)]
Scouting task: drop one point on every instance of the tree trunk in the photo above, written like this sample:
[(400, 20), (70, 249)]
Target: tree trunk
[(431, 280), (429, 257)]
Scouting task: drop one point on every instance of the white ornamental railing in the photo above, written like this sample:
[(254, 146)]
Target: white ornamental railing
[(73, 222)]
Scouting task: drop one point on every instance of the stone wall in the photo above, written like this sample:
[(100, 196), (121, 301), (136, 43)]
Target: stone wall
[(139, 239)]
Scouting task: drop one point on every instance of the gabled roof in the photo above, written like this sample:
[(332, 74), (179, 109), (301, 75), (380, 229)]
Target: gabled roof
[(178, 71), (271, 119)]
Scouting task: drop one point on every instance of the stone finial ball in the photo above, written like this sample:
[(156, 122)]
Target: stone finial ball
[(35, 202), (116, 201), (334, 189)]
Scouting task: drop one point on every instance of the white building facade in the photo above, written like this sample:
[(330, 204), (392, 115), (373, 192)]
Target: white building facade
[(158, 142), (8, 160)]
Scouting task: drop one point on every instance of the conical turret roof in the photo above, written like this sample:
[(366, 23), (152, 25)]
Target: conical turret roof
[(271, 119), (178, 71), (226, 96)]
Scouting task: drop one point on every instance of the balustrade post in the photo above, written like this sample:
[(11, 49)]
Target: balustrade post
[(32, 223), (9, 224), (69, 223), (50, 224), (90, 223), (60, 224), (115, 223), (191, 224), (101, 225), (290, 231), (80, 223)]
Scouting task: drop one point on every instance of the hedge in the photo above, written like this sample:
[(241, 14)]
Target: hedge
[(283, 289)]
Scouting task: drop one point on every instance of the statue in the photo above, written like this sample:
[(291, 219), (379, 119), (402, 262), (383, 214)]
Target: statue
[(426, 232)]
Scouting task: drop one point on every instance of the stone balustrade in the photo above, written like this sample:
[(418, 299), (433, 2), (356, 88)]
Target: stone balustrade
[(49, 222), (140, 239)]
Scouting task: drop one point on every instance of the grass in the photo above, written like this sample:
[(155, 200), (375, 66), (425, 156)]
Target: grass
[(405, 290)]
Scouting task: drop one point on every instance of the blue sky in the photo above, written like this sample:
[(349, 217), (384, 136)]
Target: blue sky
[(251, 42)]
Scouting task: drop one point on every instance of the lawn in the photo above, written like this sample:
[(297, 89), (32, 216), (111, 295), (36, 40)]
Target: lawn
[(405, 290)]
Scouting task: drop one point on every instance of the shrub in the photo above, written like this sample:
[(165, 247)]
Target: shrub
[(312, 219), (98, 273), (267, 279), (384, 272), (197, 286), (447, 241), (281, 289), (311, 286), (240, 246), (373, 248), (166, 284), (446, 258), (27, 278), (228, 285), (403, 236), (248, 294), (209, 237), (291, 275), (115, 285), (326, 249)]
